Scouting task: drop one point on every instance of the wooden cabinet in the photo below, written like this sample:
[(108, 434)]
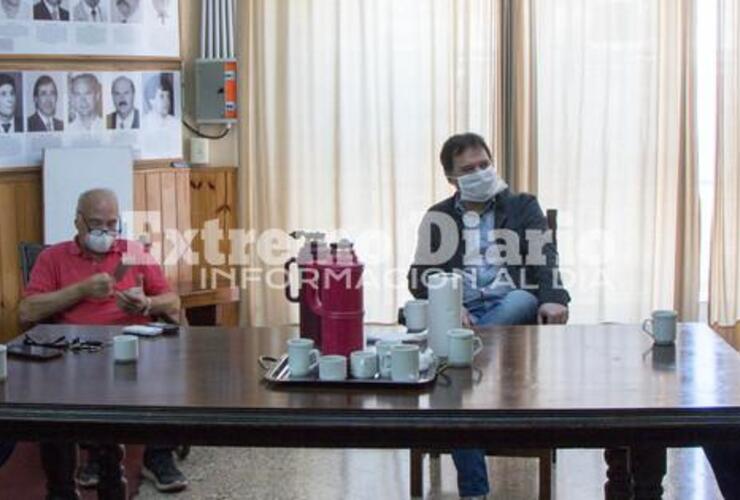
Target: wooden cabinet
[(174, 199)]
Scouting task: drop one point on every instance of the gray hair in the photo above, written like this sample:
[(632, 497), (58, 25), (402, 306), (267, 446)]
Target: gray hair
[(92, 195)]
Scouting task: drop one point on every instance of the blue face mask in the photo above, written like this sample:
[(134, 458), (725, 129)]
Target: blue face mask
[(478, 186)]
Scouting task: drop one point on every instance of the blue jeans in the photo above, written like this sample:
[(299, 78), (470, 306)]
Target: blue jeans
[(515, 308)]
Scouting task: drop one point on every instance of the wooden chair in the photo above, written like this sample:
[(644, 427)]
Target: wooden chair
[(547, 457)]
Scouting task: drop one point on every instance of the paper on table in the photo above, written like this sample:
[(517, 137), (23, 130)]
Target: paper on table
[(445, 309)]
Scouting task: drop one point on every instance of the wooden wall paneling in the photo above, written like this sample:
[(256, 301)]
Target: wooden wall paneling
[(154, 204), (169, 221), (140, 192), (204, 204), (229, 313), (184, 220), (9, 263), (221, 212), (29, 201)]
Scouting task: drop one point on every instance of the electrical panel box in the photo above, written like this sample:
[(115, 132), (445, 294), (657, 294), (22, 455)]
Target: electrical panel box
[(215, 91)]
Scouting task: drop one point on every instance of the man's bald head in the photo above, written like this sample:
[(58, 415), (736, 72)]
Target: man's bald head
[(97, 199)]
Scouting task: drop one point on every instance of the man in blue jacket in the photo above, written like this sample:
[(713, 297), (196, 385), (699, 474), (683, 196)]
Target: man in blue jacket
[(498, 241)]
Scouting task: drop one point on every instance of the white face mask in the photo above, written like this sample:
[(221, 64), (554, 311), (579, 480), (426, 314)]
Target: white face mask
[(99, 243), (478, 186)]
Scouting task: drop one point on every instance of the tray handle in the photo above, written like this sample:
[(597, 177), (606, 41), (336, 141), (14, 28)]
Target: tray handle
[(267, 362)]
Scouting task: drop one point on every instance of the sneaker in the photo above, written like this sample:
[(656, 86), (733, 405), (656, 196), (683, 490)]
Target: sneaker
[(89, 474), (160, 469)]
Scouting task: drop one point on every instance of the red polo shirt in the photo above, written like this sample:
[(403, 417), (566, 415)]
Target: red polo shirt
[(65, 264)]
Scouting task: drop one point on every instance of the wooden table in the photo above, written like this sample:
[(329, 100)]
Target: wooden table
[(562, 387)]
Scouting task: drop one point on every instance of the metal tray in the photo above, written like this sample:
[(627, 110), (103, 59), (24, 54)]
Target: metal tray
[(277, 372)]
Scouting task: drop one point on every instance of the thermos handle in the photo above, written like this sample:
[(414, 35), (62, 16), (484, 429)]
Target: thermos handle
[(288, 295)]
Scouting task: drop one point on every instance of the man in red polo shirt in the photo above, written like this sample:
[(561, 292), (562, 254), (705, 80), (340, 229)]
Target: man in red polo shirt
[(97, 279)]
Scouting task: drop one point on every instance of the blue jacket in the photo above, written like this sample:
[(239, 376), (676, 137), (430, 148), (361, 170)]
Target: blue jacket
[(513, 211)]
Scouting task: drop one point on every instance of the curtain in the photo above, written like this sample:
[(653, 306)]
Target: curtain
[(616, 136), (347, 104), (515, 110), (724, 284)]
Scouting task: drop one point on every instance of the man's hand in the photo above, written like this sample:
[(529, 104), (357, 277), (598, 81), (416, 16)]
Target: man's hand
[(467, 321), (133, 301), (98, 286), (551, 313)]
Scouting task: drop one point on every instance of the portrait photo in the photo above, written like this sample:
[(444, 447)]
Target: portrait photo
[(44, 101), (125, 11), (85, 102), (162, 12), (122, 101), (11, 103), (15, 10), (90, 11), (160, 110), (51, 10)]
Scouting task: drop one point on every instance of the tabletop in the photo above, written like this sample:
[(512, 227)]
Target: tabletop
[(589, 382)]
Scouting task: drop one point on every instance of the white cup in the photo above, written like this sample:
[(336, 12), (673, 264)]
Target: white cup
[(462, 346), (415, 312), (383, 349), (404, 363), (662, 327), (363, 364), (3, 362), (125, 348), (332, 367), (302, 357)]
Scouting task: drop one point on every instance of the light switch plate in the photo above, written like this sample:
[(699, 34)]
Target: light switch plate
[(200, 151)]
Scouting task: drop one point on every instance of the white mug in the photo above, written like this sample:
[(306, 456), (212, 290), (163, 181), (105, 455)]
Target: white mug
[(363, 364), (383, 348), (332, 367), (3, 362), (302, 357), (125, 348), (415, 312), (404, 363), (462, 346), (662, 327)]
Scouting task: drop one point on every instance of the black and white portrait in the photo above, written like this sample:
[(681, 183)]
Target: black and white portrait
[(11, 99), (45, 108), (159, 101), (51, 10), (162, 12), (14, 10), (90, 11), (125, 11), (122, 103), (85, 103)]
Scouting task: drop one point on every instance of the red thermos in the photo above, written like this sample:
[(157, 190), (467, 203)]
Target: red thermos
[(313, 250), (338, 300)]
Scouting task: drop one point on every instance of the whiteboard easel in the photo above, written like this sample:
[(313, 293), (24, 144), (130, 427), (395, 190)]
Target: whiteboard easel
[(68, 172)]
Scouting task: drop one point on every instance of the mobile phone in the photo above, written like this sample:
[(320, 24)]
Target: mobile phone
[(33, 352), (167, 328)]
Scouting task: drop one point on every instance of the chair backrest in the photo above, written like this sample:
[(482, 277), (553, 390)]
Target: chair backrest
[(552, 223), (28, 253)]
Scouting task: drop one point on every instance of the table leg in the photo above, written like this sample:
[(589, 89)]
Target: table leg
[(618, 484), (112, 484), (59, 461), (648, 468)]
